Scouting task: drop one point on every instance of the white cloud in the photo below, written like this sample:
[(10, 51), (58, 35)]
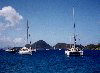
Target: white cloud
[(6, 41), (11, 17), (18, 40)]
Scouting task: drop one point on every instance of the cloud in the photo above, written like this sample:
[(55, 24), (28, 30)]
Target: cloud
[(6, 41), (11, 17), (18, 40)]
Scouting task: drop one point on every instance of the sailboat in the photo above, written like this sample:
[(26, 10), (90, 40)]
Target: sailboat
[(74, 50), (26, 50)]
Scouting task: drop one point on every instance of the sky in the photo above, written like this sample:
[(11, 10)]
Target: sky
[(49, 20)]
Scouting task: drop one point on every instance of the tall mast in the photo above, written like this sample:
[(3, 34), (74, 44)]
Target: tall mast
[(74, 27), (27, 31)]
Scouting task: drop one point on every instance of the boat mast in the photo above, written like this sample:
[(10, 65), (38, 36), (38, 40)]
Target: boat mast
[(74, 28), (27, 31)]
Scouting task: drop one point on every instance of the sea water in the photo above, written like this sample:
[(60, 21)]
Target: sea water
[(50, 62)]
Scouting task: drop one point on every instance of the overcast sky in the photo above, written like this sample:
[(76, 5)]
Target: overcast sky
[(49, 20)]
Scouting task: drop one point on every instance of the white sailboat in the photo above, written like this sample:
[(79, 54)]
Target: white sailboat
[(74, 50), (26, 50)]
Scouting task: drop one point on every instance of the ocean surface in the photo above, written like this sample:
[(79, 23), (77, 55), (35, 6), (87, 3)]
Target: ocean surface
[(50, 62)]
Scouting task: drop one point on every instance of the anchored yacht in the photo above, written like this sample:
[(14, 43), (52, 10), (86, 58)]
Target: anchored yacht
[(26, 50), (74, 50)]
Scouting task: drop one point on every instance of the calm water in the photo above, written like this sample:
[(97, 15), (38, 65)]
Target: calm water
[(50, 62)]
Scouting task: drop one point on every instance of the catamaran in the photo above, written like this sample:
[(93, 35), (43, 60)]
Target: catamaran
[(26, 50), (74, 50)]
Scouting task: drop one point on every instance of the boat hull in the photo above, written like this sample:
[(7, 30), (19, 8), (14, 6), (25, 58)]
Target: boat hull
[(79, 53), (25, 52)]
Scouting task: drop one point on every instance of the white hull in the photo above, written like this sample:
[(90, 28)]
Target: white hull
[(25, 50), (34, 50), (73, 52), (9, 50), (59, 49)]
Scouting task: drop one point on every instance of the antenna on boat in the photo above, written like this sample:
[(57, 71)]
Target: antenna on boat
[(74, 27), (27, 31)]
